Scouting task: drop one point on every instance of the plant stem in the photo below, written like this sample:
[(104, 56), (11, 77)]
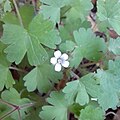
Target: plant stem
[(27, 105), (15, 108), (34, 5), (17, 69), (9, 104), (74, 75), (9, 113), (88, 64), (18, 13), (19, 115)]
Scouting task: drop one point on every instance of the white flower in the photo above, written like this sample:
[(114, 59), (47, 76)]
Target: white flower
[(59, 60)]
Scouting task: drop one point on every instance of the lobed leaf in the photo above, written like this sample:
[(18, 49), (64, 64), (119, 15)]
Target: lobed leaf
[(75, 92), (51, 9), (58, 108), (78, 91), (107, 15), (40, 79), (21, 42), (114, 46), (6, 79), (109, 85), (13, 97), (91, 113), (88, 46)]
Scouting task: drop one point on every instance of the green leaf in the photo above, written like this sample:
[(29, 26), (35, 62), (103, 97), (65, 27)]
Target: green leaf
[(107, 15), (75, 92), (109, 84), (58, 108), (80, 8), (13, 97), (65, 34), (91, 85), (114, 46), (1, 1), (33, 115), (7, 6), (3, 110), (71, 22), (44, 32), (10, 18), (75, 108), (52, 9), (67, 46), (91, 113), (88, 45), (22, 41), (6, 79), (2, 46), (76, 57), (39, 79), (27, 14)]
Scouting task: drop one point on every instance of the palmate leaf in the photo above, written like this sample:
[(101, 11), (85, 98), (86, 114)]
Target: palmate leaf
[(77, 91), (58, 108), (67, 46), (7, 6), (6, 79), (109, 12), (21, 41), (109, 84), (91, 85), (88, 46), (13, 97), (114, 46), (26, 12), (40, 79), (80, 8), (51, 9), (71, 23), (44, 32), (91, 113)]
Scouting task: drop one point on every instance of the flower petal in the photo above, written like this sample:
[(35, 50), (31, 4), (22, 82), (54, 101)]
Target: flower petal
[(58, 67), (65, 64), (53, 60), (57, 54), (64, 56)]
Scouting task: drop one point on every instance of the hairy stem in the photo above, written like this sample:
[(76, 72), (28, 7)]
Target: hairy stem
[(8, 114), (17, 69), (27, 105), (15, 108), (74, 75), (18, 13), (8, 104), (19, 115)]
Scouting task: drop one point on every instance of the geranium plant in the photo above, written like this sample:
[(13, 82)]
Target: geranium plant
[(59, 59)]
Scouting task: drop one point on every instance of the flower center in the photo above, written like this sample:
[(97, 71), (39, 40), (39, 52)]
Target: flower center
[(60, 61)]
